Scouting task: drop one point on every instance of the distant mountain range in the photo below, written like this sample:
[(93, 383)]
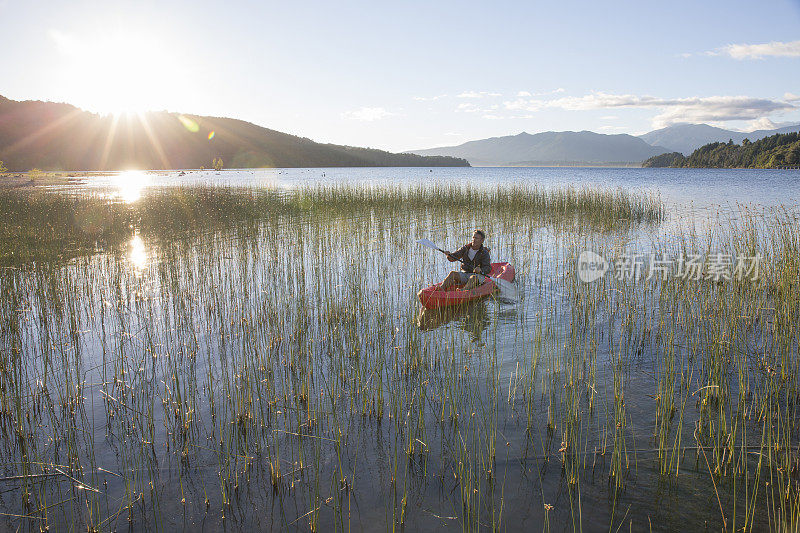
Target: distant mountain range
[(53, 136), (551, 148), (586, 147), (686, 138)]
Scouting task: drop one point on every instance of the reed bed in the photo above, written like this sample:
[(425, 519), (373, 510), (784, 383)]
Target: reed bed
[(237, 358), (40, 225)]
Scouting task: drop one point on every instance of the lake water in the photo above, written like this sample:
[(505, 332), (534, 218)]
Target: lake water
[(678, 187), (207, 354), (692, 196)]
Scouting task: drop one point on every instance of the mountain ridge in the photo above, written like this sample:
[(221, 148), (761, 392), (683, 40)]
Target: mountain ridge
[(571, 148), (551, 146), (60, 136)]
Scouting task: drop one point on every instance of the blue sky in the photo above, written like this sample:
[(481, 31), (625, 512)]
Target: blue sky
[(407, 75)]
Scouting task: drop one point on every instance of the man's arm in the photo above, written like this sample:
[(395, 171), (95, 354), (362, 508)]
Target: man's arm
[(458, 254)]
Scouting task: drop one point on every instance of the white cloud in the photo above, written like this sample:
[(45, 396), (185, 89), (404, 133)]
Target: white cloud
[(693, 109), (429, 98), (766, 124), (523, 94), (762, 123), (368, 114), (717, 108), (521, 104), (709, 109), (760, 51), (467, 107), (494, 116), (602, 101), (476, 94)]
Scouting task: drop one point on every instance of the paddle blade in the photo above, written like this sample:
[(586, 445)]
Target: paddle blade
[(504, 284), (507, 288), (429, 244)]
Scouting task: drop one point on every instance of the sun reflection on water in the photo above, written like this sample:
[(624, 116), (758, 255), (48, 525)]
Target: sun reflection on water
[(130, 185), (138, 254)]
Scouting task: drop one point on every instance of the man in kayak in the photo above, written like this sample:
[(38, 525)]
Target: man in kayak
[(475, 266)]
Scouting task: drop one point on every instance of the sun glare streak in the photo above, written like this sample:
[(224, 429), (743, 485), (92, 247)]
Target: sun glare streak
[(42, 131), (154, 142), (109, 142), (130, 184)]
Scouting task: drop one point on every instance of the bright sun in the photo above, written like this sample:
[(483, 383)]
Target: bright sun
[(117, 72)]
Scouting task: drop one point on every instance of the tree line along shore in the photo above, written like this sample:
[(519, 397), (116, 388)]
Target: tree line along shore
[(776, 151)]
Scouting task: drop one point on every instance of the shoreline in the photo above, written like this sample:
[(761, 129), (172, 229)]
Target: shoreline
[(22, 180)]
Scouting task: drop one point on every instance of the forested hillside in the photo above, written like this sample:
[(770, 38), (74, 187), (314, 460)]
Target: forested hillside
[(53, 136), (776, 151)]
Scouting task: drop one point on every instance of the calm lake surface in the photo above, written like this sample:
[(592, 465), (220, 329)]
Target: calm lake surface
[(702, 188), (297, 344)]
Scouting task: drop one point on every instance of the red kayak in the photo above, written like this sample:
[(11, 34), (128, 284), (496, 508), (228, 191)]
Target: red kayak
[(432, 298)]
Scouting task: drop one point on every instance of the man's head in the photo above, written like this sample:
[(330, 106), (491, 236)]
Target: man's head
[(477, 239)]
